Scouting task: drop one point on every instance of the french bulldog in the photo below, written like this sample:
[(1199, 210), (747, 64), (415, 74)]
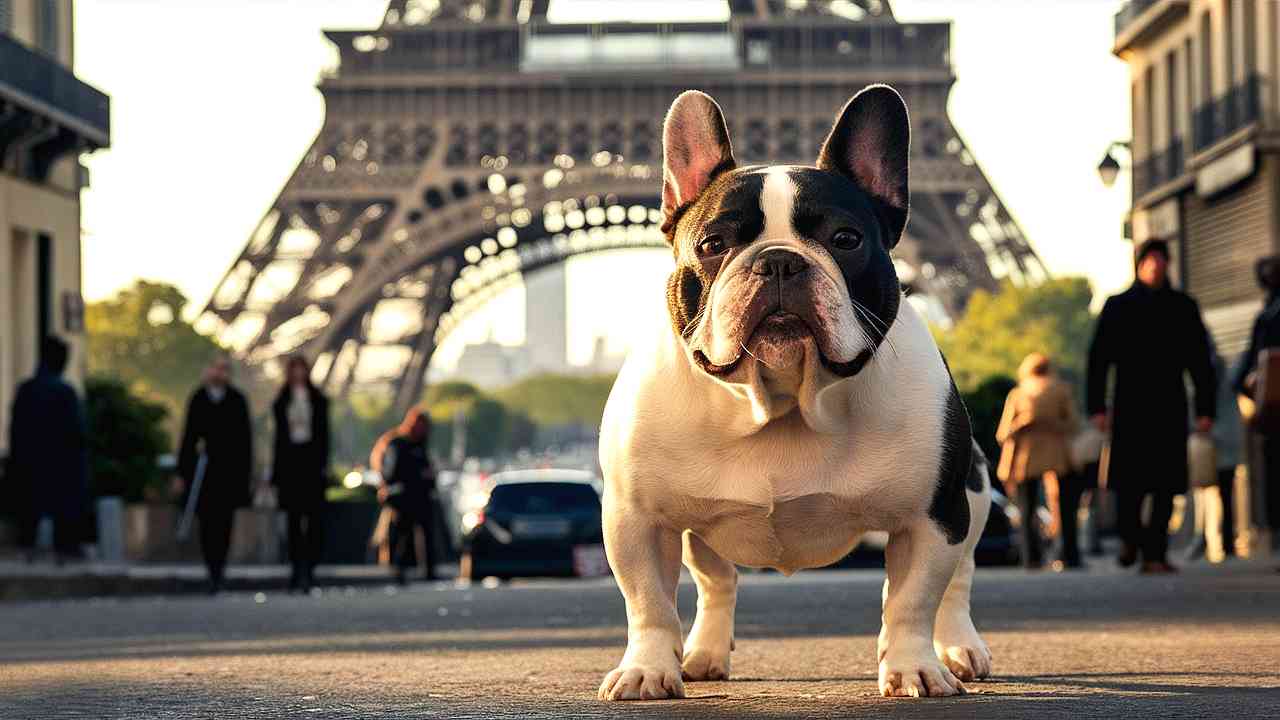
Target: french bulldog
[(794, 402)]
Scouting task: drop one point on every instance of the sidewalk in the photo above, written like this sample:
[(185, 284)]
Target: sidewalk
[(45, 581)]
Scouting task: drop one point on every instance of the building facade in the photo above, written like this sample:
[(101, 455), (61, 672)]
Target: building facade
[(48, 118), (1205, 81)]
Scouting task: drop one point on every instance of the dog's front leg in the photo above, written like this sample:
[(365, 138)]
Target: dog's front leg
[(919, 564), (645, 558)]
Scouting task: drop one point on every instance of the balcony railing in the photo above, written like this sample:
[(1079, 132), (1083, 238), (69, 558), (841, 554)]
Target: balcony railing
[(1218, 118), (26, 76), (1158, 169)]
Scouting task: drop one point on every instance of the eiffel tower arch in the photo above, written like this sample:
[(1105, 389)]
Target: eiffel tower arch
[(469, 141)]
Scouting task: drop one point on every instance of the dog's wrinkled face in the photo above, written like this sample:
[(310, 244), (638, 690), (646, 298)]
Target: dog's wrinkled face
[(777, 262)]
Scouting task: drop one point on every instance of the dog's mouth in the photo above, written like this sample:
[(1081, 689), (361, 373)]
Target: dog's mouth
[(780, 326)]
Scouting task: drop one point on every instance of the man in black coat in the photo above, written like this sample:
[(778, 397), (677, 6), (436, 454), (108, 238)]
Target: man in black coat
[(1266, 334), (48, 455), (218, 427), (1151, 334)]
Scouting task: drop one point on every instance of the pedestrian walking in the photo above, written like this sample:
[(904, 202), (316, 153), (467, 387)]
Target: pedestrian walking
[(217, 428), (1266, 336), (1215, 502), (300, 467), (408, 487), (1033, 434), (1152, 336), (48, 456)]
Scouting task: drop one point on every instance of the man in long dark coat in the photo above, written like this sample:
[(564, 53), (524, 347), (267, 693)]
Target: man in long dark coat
[(48, 455), (1266, 335), (1152, 335), (218, 427)]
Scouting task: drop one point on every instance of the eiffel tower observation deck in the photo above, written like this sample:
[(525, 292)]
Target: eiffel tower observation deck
[(469, 141)]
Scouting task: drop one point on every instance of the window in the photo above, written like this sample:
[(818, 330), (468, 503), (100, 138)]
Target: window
[(47, 26), (1149, 110), (44, 285), (6, 15), (1229, 43), (1250, 38), (1171, 97), (1206, 59)]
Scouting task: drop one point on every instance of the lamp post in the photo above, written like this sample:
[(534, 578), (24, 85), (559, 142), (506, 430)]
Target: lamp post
[(1109, 168)]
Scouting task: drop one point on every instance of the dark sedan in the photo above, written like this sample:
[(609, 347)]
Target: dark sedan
[(535, 523)]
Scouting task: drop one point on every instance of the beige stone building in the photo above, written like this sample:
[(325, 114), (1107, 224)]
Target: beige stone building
[(1205, 79), (48, 118)]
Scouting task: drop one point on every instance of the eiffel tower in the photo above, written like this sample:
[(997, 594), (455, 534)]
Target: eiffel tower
[(469, 141)]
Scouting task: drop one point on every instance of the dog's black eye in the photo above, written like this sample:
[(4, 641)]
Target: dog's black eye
[(847, 239), (710, 245)]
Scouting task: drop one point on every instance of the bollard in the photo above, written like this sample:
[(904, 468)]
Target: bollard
[(111, 530)]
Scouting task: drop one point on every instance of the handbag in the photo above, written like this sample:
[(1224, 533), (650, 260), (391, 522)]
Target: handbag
[(1086, 447), (1202, 461)]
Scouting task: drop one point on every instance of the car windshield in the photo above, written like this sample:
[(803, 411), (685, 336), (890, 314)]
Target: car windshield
[(543, 497)]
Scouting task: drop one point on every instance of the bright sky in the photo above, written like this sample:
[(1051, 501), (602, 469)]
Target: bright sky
[(214, 103)]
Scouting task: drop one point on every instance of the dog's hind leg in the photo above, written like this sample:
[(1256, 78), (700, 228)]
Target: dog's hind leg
[(955, 639), (706, 651)]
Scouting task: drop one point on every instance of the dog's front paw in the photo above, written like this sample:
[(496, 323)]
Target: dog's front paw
[(959, 646), (705, 664), (916, 672), (706, 653), (642, 682)]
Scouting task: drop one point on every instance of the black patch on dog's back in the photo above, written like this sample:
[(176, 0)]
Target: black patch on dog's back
[(950, 505), (980, 467)]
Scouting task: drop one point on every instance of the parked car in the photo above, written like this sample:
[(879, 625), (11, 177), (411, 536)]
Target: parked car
[(535, 523)]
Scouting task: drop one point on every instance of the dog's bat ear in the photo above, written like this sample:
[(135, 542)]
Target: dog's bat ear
[(869, 145), (695, 150)]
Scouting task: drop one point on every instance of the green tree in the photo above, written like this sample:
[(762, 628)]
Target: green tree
[(998, 330), (140, 337), (985, 404), (491, 427), (126, 436), (552, 400)]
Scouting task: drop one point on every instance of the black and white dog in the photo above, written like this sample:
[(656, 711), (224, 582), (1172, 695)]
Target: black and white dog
[(794, 402)]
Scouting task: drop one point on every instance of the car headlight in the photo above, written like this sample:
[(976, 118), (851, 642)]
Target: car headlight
[(472, 520)]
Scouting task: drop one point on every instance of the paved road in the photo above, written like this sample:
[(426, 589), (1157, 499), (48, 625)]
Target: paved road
[(1096, 645)]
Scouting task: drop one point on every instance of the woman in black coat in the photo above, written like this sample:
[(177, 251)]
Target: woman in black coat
[(1153, 336), (300, 467)]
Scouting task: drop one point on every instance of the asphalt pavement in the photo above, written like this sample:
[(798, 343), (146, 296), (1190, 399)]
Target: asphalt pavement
[(1100, 644)]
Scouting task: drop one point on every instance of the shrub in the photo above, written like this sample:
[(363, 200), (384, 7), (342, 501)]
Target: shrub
[(126, 437)]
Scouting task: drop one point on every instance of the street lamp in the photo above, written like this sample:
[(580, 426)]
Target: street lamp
[(1109, 168)]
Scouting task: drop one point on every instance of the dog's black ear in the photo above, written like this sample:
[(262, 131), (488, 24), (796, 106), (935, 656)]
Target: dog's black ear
[(869, 145), (695, 149)]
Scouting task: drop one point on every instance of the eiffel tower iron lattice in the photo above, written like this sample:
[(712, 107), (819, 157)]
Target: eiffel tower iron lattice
[(469, 141)]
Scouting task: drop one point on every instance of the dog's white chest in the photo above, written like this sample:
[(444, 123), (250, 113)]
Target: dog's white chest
[(794, 499)]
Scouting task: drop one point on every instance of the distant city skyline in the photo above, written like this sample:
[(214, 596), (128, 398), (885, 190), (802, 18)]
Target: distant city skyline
[(211, 117)]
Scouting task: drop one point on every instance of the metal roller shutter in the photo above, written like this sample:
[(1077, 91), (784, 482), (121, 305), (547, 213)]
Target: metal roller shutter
[(1225, 237)]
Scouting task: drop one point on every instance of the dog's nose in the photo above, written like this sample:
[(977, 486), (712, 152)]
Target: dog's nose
[(778, 263)]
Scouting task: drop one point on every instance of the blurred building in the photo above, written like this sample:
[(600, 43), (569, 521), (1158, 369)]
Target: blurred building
[(1205, 79), (48, 118), (546, 326)]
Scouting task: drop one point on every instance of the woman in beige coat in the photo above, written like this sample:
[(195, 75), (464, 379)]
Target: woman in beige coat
[(1034, 436)]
